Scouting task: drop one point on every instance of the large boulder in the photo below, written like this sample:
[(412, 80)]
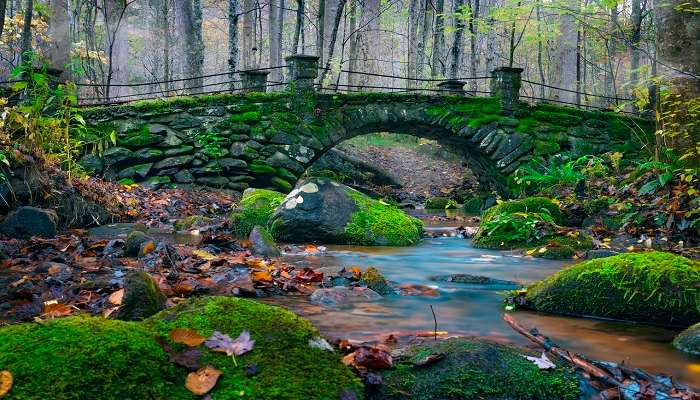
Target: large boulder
[(257, 206), (27, 221), (469, 368), (282, 365), (689, 340), (320, 210), (653, 287)]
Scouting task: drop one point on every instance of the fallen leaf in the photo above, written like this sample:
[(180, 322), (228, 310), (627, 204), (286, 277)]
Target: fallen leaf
[(116, 297), (261, 276), (694, 368), (57, 310), (542, 362), (373, 357), (224, 344), (187, 337), (203, 380), (203, 254), (189, 358), (5, 382), (429, 360)]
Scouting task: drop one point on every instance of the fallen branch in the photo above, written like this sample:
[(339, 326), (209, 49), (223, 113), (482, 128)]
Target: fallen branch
[(637, 384)]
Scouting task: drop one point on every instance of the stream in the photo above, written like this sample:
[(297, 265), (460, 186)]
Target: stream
[(463, 309), (473, 310)]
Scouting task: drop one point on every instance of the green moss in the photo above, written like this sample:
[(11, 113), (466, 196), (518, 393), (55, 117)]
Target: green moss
[(191, 222), (376, 281), (654, 287), (378, 223), (126, 181), (473, 205), (288, 368), (475, 369), (281, 184), (258, 167), (257, 205), (88, 358), (526, 223), (440, 203), (544, 147), (559, 118), (248, 117)]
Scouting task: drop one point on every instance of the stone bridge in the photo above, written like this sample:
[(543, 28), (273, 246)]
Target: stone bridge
[(269, 139)]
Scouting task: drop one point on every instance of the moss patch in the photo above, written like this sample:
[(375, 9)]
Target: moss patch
[(287, 367), (529, 222), (88, 358), (474, 369), (257, 205), (378, 223), (440, 203), (653, 287)]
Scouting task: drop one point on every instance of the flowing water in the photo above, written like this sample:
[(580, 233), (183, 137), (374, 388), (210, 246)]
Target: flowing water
[(476, 311), (460, 309)]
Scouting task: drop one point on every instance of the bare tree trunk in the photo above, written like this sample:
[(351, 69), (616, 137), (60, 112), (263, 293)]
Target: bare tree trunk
[(3, 10), (233, 41), (635, 37), (320, 33), (334, 37), (26, 39), (564, 64), (457, 43), (490, 55), (352, 50), (611, 50), (247, 34), (275, 36), (425, 36), (299, 28), (59, 32), (678, 46), (540, 62), (415, 23), (368, 43), (165, 31), (116, 48), (189, 14), (438, 63), (474, 30)]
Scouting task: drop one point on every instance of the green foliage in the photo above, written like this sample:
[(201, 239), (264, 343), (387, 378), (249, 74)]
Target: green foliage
[(378, 223), (211, 143), (546, 178), (257, 205), (654, 287), (474, 369), (88, 358), (287, 367), (440, 203)]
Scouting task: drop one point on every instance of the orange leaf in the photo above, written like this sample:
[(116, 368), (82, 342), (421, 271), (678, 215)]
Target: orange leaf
[(261, 276), (356, 271), (116, 297), (5, 382), (148, 247), (186, 336), (203, 380), (54, 310)]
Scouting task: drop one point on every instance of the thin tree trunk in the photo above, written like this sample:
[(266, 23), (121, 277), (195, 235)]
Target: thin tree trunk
[(233, 41), (540, 63), (26, 39), (165, 31), (456, 50), (59, 32), (321, 26), (334, 37), (299, 28), (247, 34), (438, 63), (635, 38), (3, 9), (275, 34), (352, 50), (197, 48), (474, 30)]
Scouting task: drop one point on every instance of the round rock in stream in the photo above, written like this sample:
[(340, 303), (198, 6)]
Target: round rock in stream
[(342, 295)]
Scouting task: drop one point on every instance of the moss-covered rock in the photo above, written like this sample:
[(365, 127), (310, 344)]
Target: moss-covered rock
[(191, 222), (142, 297), (374, 280), (474, 369), (440, 203), (287, 366), (529, 222), (654, 287), (88, 358), (689, 340), (320, 210), (257, 205)]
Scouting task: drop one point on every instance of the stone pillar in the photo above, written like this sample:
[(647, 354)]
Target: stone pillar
[(451, 87), (303, 70), (505, 83), (254, 81)]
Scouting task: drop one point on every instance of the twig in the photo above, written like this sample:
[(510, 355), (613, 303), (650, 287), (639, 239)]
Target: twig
[(435, 320)]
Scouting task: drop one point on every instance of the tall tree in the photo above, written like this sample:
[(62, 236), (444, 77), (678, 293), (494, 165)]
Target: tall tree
[(275, 36), (189, 15), (678, 41), (26, 43), (59, 32), (563, 69), (437, 62), (458, 40), (232, 41)]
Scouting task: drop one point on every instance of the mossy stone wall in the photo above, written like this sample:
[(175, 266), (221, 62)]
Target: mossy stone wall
[(268, 140)]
